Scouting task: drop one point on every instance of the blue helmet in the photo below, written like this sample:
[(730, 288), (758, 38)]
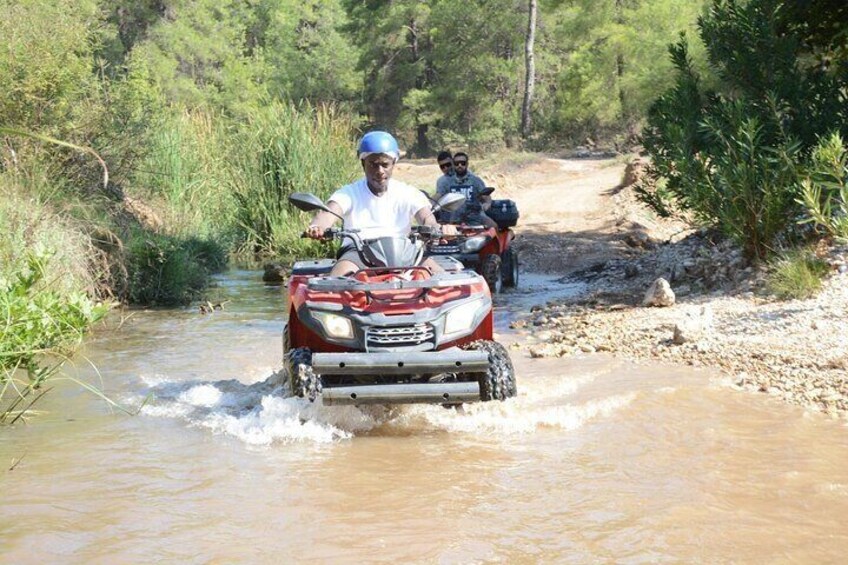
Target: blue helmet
[(378, 142)]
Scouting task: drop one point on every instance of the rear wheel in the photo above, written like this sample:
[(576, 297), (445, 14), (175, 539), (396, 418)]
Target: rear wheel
[(509, 266), (499, 381), (491, 271)]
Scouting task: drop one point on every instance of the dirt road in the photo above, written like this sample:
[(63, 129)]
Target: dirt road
[(573, 213)]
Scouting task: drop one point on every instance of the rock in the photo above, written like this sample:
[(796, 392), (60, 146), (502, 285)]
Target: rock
[(544, 336), (692, 326), (638, 240), (274, 273), (659, 294)]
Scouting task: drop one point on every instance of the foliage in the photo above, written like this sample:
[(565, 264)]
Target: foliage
[(614, 64), (183, 166), (40, 328), (797, 274), (824, 191), (733, 156), (45, 62), (198, 56), (284, 149), (168, 271), (307, 54)]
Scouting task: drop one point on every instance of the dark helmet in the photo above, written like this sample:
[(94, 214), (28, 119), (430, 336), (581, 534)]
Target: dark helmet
[(378, 142)]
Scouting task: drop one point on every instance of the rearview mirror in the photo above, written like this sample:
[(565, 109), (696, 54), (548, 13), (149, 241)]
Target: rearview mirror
[(309, 202), (451, 202)]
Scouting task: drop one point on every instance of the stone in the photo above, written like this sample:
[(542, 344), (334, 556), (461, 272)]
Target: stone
[(659, 294), (274, 273)]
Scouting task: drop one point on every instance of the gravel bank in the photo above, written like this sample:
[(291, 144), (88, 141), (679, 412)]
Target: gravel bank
[(796, 350)]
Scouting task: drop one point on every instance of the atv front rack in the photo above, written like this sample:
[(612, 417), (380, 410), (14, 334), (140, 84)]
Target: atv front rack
[(453, 360)]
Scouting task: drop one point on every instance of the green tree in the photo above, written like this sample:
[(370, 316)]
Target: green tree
[(479, 61), (395, 46), (45, 62), (614, 60), (308, 56), (198, 55), (733, 155)]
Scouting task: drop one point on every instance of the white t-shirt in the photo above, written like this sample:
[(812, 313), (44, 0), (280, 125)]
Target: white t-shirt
[(379, 216)]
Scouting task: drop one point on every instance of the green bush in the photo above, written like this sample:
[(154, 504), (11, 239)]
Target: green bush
[(824, 191), (733, 157), (283, 149), (167, 271), (41, 326)]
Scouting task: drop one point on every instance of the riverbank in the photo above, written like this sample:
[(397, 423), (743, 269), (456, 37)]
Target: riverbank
[(795, 350), (584, 223), (580, 220)]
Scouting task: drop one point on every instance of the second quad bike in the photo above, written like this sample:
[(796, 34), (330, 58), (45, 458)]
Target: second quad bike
[(488, 251), (395, 332)]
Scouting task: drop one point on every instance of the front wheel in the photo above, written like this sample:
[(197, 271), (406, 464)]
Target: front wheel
[(491, 271), (498, 383), (302, 379), (510, 268)]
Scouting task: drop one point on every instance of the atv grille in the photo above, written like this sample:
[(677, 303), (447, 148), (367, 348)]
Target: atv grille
[(393, 337), (444, 249)]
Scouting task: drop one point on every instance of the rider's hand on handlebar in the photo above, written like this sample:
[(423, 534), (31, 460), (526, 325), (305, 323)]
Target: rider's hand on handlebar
[(314, 232), (448, 229)]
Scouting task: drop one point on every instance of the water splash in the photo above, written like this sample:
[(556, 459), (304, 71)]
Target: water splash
[(264, 413)]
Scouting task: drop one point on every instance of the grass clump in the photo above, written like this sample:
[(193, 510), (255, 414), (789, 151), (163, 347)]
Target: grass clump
[(797, 274)]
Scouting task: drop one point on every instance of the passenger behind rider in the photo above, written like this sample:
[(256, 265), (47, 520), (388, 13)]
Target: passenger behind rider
[(376, 205), (472, 187), (445, 161)]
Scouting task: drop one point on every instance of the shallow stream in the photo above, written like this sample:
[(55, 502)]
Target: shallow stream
[(595, 460)]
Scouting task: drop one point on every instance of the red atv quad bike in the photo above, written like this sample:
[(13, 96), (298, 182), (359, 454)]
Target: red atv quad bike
[(394, 332), (488, 251)]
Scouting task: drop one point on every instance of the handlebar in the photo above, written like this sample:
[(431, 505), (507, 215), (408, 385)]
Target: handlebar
[(333, 233)]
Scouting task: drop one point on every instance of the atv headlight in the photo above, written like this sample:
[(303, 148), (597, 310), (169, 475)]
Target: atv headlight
[(335, 325), (474, 244), (461, 318)]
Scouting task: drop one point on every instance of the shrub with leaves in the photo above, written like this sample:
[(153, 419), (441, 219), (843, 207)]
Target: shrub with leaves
[(168, 271), (824, 191), (41, 327), (733, 156), (796, 274)]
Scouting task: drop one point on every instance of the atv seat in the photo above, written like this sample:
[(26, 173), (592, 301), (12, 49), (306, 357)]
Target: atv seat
[(313, 267)]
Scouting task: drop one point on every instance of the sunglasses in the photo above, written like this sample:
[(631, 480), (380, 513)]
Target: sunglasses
[(445, 165), (460, 163)]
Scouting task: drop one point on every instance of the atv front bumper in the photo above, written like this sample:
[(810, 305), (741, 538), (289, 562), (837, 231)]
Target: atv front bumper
[(401, 365)]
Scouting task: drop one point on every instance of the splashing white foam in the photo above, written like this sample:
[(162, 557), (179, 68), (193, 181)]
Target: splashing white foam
[(515, 416), (262, 413)]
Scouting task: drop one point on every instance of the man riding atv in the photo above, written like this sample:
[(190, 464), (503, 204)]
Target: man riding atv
[(383, 324), (376, 205), (464, 182)]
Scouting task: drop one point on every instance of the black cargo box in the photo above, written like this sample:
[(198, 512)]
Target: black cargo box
[(504, 212)]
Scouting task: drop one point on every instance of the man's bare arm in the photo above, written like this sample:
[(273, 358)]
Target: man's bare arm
[(425, 217), (323, 220)]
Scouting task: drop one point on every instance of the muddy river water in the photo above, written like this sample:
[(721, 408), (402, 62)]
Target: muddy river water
[(595, 460)]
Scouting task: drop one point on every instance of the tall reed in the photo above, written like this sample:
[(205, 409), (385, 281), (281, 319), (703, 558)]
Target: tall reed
[(282, 149)]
